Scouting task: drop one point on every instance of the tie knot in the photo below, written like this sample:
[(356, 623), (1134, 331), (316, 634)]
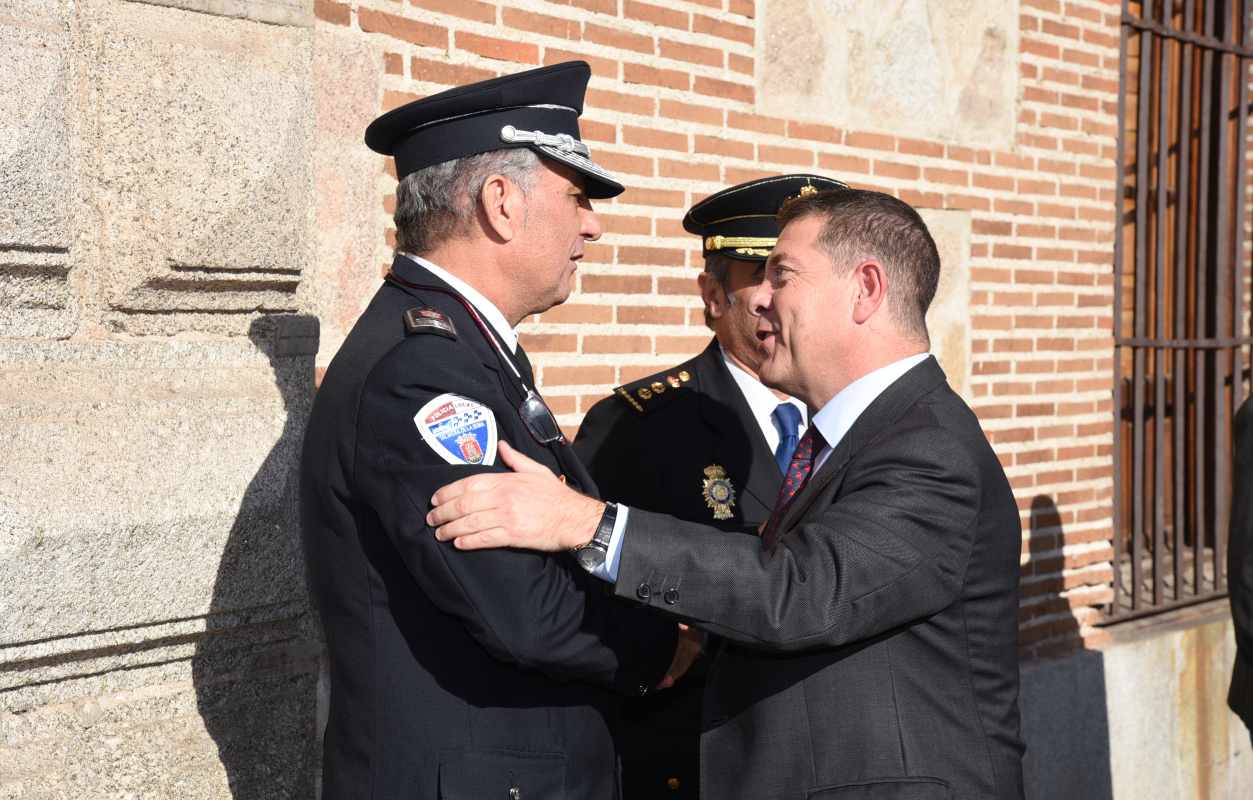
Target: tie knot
[(788, 419)]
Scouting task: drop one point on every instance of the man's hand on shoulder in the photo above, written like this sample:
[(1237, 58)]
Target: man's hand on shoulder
[(529, 508), (687, 649)]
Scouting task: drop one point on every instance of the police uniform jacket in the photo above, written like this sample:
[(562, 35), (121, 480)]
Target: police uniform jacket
[(453, 674), (871, 651), (654, 444)]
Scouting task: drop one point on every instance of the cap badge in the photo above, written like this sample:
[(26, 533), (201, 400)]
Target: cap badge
[(718, 491)]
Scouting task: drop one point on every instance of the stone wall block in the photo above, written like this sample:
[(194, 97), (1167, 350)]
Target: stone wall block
[(35, 297), (202, 141), (929, 68)]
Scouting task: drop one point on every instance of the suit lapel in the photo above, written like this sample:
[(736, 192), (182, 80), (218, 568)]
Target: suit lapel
[(726, 412), (881, 413)]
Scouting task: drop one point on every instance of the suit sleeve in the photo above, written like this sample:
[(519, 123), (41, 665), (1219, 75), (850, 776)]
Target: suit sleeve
[(892, 549), (535, 610), (1240, 547)]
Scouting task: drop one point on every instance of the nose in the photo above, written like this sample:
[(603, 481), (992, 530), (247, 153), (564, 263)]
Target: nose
[(759, 300), (589, 227)]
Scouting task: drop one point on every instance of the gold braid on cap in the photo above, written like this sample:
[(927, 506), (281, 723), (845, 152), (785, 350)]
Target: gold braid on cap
[(739, 242)]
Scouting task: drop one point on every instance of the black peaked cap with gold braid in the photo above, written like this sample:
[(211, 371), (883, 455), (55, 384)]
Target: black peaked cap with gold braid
[(741, 221)]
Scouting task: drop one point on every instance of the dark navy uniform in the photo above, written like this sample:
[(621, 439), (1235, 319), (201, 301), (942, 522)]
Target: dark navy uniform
[(684, 442), (454, 674)]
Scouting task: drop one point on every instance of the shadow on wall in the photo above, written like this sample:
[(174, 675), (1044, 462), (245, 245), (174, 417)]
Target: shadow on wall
[(1065, 721), (256, 668)]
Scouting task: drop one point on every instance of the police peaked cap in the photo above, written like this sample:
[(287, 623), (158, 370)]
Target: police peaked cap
[(741, 222), (538, 109)]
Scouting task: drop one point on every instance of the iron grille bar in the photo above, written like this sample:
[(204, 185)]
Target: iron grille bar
[(1216, 343), (1207, 41), (1183, 193), (1222, 325), (1116, 603), (1143, 104), (1202, 305), (1159, 356)]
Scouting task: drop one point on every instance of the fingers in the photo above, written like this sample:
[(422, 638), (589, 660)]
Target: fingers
[(518, 462), (482, 482), (469, 502), (470, 524), (484, 540)]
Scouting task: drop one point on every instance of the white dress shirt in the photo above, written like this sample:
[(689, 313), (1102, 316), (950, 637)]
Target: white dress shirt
[(833, 421), (762, 402), (486, 308)]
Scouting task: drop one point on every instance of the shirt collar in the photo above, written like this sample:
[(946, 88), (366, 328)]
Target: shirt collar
[(841, 411), (488, 310), (761, 401)]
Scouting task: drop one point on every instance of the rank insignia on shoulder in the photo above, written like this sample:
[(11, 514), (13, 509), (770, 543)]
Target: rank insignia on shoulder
[(718, 491), (424, 319)]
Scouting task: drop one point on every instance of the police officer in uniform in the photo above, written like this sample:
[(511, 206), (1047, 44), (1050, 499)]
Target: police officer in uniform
[(704, 441), (460, 674)]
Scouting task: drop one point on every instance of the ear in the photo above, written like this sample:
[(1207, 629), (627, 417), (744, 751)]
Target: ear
[(712, 293), (501, 205), (870, 284)]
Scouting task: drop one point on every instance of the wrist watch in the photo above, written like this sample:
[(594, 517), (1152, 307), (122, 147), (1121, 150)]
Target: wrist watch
[(592, 554)]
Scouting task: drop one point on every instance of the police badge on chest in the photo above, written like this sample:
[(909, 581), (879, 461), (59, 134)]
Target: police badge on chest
[(718, 491)]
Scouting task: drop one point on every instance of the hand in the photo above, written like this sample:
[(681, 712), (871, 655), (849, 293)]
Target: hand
[(686, 651), (530, 508)]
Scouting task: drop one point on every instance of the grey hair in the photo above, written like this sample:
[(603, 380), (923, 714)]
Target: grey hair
[(439, 202)]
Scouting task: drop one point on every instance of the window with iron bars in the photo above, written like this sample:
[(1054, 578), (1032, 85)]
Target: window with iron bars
[(1181, 297)]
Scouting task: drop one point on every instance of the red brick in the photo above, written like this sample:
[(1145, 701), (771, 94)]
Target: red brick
[(686, 345), (722, 147), (1000, 183), (1063, 76), (579, 313), (919, 199), (687, 170), (613, 37), (724, 89), (818, 133), (955, 153), (968, 202), (1040, 48), (332, 12), (654, 138), (409, 30), (653, 76), (594, 131), (734, 175), (622, 103), (844, 165), (422, 69), (623, 224), (651, 315), (726, 30), (549, 342), (680, 286), (745, 65), (874, 141), (616, 284), (691, 53), (785, 155), (742, 7), (690, 112), (393, 99), (756, 122), (601, 67), (657, 15), (892, 169), (393, 64), (1054, 28), (541, 23), (919, 147), (466, 9), (596, 6), (644, 196), (501, 49), (623, 162), (660, 256), (616, 344), (1036, 187)]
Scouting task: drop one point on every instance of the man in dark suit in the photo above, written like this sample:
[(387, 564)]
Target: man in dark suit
[(704, 441), (456, 674), (872, 631), (1240, 566)]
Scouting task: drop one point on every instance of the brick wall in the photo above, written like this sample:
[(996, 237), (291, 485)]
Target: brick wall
[(671, 111)]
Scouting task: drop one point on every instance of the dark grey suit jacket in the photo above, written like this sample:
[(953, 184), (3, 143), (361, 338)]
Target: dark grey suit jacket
[(873, 649), (1240, 566)]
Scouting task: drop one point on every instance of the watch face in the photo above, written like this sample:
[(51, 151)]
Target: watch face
[(590, 557)]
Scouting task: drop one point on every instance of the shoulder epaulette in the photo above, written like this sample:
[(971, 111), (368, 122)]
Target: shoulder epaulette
[(427, 319), (654, 391)]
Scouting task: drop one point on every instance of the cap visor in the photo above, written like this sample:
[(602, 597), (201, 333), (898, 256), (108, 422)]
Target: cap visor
[(600, 184)]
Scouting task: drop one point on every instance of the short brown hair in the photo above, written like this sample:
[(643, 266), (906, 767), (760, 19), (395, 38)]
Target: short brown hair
[(864, 224)]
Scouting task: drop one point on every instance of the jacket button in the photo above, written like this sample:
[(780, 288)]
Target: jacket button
[(672, 784), (671, 596), (643, 591), (515, 793), (642, 689)]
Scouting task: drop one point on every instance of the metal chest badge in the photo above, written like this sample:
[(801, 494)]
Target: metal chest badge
[(459, 430), (718, 491)]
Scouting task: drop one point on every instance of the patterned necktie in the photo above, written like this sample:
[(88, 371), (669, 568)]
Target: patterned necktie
[(798, 474), (787, 419)]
